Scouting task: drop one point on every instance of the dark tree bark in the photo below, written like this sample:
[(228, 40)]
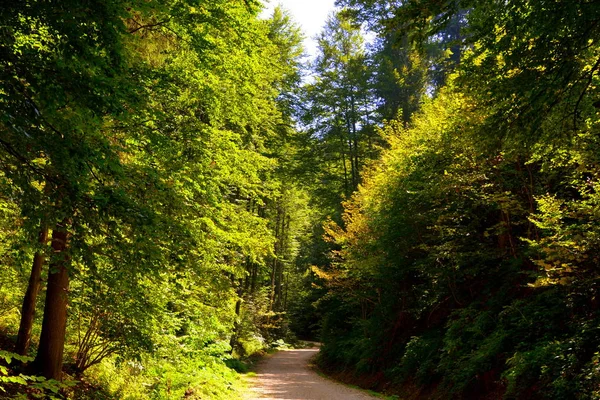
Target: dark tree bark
[(253, 278), (283, 221), (233, 341), (52, 339), (356, 166), (30, 299), (274, 268), (346, 186)]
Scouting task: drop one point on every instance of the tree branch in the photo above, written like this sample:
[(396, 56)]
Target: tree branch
[(148, 26)]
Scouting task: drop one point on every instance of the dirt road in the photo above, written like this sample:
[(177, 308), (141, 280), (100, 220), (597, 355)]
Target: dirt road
[(286, 375)]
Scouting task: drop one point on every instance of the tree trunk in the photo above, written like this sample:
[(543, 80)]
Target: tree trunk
[(254, 278), (346, 187), (233, 341), (52, 340), (280, 264), (355, 140), (287, 286), (30, 299), (351, 152), (274, 268)]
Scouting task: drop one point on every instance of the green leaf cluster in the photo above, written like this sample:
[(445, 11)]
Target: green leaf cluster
[(466, 262)]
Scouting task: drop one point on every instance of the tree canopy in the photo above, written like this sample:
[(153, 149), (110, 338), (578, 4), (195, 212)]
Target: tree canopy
[(181, 188)]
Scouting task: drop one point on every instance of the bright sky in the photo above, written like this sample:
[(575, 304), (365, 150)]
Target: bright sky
[(310, 14)]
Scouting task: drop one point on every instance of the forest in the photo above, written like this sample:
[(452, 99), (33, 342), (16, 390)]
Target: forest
[(182, 189)]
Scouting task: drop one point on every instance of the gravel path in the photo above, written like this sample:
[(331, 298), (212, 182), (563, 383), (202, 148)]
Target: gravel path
[(286, 375)]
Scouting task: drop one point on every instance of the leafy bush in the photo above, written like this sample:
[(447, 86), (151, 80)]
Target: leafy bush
[(420, 359), (20, 386)]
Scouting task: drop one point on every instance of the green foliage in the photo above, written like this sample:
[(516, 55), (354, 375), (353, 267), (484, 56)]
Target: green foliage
[(419, 359), (194, 375), (21, 386), (455, 167), (340, 113), (154, 133), (466, 262)]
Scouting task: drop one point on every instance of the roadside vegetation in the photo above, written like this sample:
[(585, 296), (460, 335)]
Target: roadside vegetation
[(181, 189)]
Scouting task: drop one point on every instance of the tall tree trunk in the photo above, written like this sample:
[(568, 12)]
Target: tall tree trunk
[(276, 255), (52, 339), (351, 151), (356, 162), (346, 187), (355, 141), (248, 275), (280, 264), (287, 286), (30, 299), (273, 271), (340, 131), (284, 275), (369, 130), (233, 341), (254, 278)]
